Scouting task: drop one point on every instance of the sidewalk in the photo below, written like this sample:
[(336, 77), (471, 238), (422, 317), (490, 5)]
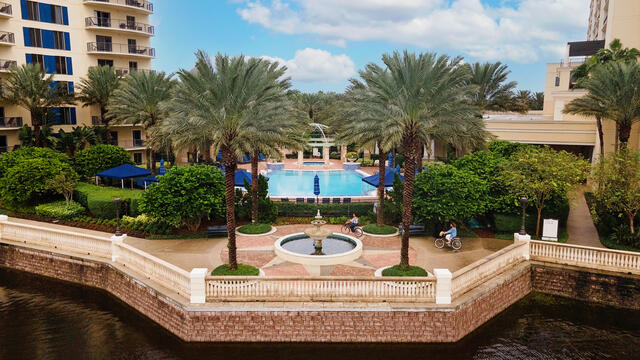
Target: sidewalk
[(580, 226)]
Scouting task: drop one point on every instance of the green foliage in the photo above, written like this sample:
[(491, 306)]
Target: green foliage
[(242, 270), (379, 230), (64, 184), (393, 206), (255, 228), (352, 155), (97, 158), (622, 235), (60, 210), (12, 158), (99, 200), (505, 148), (443, 193), (410, 271), (267, 208), (185, 195), (28, 181), (304, 209), (487, 166)]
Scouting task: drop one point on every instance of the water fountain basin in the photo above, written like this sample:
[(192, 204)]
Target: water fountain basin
[(337, 249)]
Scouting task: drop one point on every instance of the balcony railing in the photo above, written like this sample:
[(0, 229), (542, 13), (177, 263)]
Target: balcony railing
[(5, 9), (119, 24), (126, 71), (5, 65), (143, 5), (135, 143), (121, 49), (7, 37), (10, 122), (4, 149)]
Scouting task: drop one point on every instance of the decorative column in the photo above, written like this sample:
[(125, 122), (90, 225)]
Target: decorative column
[(343, 154), (116, 242), (517, 238), (197, 286), (3, 219), (300, 158), (443, 286), (325, 154)]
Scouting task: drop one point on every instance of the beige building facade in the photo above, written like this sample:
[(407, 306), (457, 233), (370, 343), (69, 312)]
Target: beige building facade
[(608, 20), (67, 37)]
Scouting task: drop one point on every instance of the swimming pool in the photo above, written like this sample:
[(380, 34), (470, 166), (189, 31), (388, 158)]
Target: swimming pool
[(312, 163), (332, 183)]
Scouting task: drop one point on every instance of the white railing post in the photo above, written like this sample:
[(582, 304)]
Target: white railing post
[(443, 286), (517, 238), (197, 285), (3, 219), (116, 241)]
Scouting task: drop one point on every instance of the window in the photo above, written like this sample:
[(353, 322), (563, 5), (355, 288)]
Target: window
[(56, 14), (35, 59), (133, 46), (131, 22), (133, 66), (33, 11), (114, 137), (137, 158), (557, 80), (103, 18), (58, 40), (62, 116), (104, 43), (51, 64), (61, 65), (3, 144), (35, 35), (104, 62)]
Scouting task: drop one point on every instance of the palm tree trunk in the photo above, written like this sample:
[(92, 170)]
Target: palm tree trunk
[(407, 196), (37, 134), (600, 135), (153, 160), (230, 199), (624, 132), (420, 151), (381, 180), (148, 152), (617, 137), (103, 121), (254, 187), (207, 154)]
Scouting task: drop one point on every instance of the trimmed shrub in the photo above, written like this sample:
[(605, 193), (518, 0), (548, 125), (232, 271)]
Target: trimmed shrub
[(60, 210), (97, 158), (304, 209), (242, 270), (99, 200), (12, 158), (506, 148), (379, 230), (28, 180), (412, 271), (255, 229)]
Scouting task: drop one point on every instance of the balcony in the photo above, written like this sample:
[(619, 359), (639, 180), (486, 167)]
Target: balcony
[(135, 5), (135, 144), (119, 26), (10, 123), (7, 38), (120, 49), (5, 65), (123, 71), (4, 149), (6, 10)]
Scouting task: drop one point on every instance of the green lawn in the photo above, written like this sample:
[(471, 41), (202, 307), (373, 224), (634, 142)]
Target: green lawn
[(379, 230), (242, 270), (254, 229), (563, 236), (412, 271)]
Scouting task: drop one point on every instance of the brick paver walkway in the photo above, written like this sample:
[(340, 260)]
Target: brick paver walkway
[(580, 225)]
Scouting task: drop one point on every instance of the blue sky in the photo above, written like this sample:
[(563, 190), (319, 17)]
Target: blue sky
[(325, 42)]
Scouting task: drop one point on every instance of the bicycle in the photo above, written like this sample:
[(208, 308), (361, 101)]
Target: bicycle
[(346, 229), (455, 244)]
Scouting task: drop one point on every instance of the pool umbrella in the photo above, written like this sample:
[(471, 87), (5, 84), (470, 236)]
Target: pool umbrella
[(316, 186), (389, 176), (241, 176), (390, 160), (162, 169)]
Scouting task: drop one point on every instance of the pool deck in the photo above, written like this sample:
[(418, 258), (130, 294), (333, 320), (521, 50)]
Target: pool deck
[(258, 251)]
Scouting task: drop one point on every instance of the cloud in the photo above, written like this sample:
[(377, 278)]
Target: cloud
[(316, 65), (525, 32)]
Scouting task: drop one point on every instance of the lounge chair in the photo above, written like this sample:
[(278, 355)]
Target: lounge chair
[(336, 200), (284, 199), (346, 200), (326, 201), (311, 201), (299, 200), (216, 231)]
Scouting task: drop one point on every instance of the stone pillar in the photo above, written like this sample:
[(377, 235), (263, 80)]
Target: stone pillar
[(197, 286), (3, 219), (116, 241), (343, 154), (300, 158), (443, 286), (517, 238), (325, 154)]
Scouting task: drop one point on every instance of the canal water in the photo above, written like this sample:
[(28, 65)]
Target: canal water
[(46, 319)]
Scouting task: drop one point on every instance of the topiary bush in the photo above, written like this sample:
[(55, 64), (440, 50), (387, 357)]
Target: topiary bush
[(185, 195), (99, 200), (28, 180), (379, 230), (60, 210), (254, 229), (12, 158), (97, 158)]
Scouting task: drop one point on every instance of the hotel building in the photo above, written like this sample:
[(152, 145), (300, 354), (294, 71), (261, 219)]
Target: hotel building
[(608, 20), (67, 37)]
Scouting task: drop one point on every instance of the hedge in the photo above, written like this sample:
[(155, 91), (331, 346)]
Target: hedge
[(99, 200), (60, 210), (304, 209)]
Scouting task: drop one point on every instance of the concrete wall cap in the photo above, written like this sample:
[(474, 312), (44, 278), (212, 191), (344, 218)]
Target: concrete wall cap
[(198, 272), (442, 273)]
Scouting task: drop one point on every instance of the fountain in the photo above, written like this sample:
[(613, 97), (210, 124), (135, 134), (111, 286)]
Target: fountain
[(318, 246)]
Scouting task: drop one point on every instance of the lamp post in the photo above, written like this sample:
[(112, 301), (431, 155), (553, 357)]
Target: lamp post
[(117, 202), (523, 202)]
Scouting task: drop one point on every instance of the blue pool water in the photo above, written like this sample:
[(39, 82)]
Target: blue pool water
[(332, 183), (312, 163)]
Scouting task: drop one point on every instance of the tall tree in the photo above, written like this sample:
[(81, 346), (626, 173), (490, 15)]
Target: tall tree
[(220, 100), (97, 89), (138, 101), (492, 90), (29, 87), (421, 94)]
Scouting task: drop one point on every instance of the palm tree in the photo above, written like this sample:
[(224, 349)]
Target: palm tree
[(493, 92), (138, 101), (79, 138), (589, 106), (29, 87), (420, 94), (615, 52), (97, 89), (537, 101), (613, 92), (218, 103)]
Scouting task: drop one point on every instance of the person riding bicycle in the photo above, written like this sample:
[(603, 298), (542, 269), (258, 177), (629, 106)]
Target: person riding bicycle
[(353, 222), (451, 233)]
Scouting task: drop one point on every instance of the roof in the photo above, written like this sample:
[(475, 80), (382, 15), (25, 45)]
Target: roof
[(124, 171), (585, 48), (389, 176)]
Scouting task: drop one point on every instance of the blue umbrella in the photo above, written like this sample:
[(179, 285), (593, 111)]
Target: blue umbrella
[(316, 185), (162, 169), (390, 160), (241, 176), (389, 176)]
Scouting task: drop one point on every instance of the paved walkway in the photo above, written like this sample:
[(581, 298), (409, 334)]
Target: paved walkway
[(580, 225), (258, 251)]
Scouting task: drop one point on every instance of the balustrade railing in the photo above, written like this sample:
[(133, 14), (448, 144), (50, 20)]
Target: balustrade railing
[(7, 37), (144, 5), (116, 48), (6, 9), (583, 256), (361, 289), (119, 24), (10, 122)]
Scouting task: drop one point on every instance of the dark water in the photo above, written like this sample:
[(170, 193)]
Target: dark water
[(45, 319), (330, 245)]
